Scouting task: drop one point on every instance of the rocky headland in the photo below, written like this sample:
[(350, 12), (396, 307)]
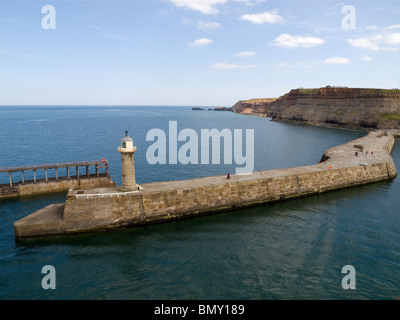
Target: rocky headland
[(351, 108), (215, 109)]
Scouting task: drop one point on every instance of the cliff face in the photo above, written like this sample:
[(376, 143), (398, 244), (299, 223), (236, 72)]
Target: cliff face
[(253, 106), (331, 106)]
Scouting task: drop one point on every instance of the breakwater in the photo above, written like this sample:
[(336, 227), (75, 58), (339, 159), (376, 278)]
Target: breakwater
[(56, 177), (355, 163)]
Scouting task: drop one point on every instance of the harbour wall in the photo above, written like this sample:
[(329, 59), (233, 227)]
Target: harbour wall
[(108, 208), (61, 185), (203, 198)]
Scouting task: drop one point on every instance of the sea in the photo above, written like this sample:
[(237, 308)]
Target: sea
[(300, 249)]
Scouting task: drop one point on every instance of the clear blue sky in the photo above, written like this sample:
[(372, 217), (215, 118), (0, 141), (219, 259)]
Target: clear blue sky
[(192, 52)]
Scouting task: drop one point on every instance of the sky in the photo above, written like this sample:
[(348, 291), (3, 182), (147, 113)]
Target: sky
[(192, 52)]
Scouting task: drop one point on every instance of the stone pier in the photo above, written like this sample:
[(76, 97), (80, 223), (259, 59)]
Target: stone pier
[(109, 208)]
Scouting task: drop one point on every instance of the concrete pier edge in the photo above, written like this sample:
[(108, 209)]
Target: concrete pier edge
[(101, 209)]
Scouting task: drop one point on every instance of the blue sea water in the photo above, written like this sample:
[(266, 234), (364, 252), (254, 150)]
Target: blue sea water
[(286, 250)]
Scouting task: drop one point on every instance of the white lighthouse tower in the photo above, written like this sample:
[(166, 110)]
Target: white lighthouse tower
[(127, 149)]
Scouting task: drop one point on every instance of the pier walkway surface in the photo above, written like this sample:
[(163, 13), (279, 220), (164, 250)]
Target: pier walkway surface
[(355, 163)]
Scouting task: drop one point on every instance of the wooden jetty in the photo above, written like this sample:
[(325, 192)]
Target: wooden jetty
[(60, 180)]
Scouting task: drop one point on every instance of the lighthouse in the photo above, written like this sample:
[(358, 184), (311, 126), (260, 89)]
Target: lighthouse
[(127, 149)]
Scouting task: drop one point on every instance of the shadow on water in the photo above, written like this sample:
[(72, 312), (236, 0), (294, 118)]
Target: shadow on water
[(282, 250)]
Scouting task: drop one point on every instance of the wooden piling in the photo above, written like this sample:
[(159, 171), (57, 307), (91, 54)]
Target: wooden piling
[(97, 163)]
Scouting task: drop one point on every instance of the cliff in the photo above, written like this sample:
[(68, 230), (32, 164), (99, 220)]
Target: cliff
[(354, 108), (253, 106)]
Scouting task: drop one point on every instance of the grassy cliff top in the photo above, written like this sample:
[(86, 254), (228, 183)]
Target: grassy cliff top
[(260, 100), (346, 89)]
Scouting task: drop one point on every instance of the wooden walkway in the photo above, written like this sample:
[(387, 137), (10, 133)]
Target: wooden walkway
[(98, 164)]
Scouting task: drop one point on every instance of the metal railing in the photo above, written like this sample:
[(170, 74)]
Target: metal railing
[(105, 195)]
